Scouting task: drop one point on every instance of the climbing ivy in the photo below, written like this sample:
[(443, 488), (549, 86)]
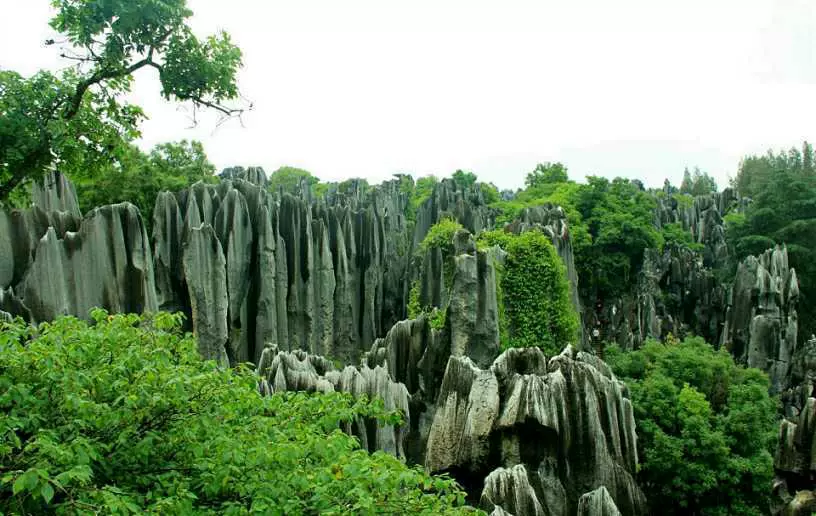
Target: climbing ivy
[(535, 307)]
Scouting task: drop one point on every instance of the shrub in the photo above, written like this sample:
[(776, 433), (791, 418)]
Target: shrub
[(441, 236), (705, 427), (535, 294), (123, 417)]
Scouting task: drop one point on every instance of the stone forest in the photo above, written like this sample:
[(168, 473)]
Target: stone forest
[(176, 341)]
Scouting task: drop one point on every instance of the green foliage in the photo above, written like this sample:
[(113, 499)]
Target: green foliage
[(783, 211), (288, 180), (490, 193), (697, 183), (611, 223), (547, 173), (676, 235), (423, 190), (619, 218), (76, 120), (437, 318), (706, 427), (441, 236), (535, 294), (35, 136), (138, 178), (463, 179), (123, 417), (414, 304), (494, 237)]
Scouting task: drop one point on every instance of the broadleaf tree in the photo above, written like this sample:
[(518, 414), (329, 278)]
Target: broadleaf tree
[(123, 417), (73, 118)]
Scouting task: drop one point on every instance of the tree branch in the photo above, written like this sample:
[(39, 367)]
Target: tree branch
[(101, 75)]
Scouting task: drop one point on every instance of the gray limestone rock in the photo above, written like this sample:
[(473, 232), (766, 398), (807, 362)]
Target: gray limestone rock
[(570, 423), (106, 264), (761, 325), (54, 192), (597, 503), (472, 312), (205, 275), (509, 490), (167, 253), (302, 371)]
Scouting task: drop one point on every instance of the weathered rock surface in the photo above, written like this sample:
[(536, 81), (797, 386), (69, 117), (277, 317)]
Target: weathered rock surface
[(106, 264), (794, 490), (597, 503), (299, 275), (55, 193), (674, 293), (761, 324), (466, 205), (564, 419), (301, 371), (205, 275)]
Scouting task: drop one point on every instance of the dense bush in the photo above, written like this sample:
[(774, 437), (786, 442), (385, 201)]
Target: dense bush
[(611, 224), (441, 236), (705, 428), (122, 417), (676, 235), (535, 307)]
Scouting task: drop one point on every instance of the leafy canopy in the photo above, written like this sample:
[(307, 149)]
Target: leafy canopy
[(697, 183), (547, 173), (288, 179), (75, 119), (139, 178), (782, 187), (123, 417), (705, 427)]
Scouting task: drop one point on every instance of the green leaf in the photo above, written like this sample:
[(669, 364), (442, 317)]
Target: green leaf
[(47, 492)]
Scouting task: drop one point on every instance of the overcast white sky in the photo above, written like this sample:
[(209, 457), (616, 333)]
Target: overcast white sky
[(367, 88)]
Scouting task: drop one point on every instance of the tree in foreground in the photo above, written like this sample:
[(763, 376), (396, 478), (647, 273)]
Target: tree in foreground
[(705, 428), (76, 120), (123, 417)]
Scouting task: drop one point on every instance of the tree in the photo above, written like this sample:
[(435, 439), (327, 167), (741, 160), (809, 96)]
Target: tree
[(463, 179), (123, 417), (67, 120), (139, 178), (547, 173), (620, 220), (706, 427), (697, 183), (288, 179)]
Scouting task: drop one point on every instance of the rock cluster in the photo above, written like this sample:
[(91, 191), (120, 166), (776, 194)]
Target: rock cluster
[(761, 323), (300, 371), (794, 491), (53, 263), (283, 271), (541, 433)]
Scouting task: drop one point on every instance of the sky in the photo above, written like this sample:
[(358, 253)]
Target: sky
[(369, 88)]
